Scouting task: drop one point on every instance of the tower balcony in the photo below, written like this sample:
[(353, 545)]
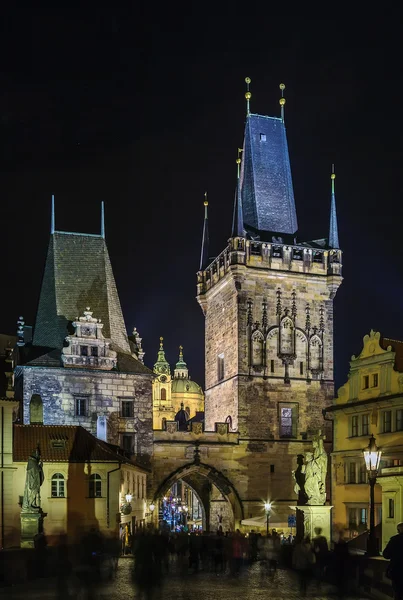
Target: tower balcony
[(273, 256)]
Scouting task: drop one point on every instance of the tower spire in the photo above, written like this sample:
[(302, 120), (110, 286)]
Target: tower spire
[(52, 218), (162, 365), (237, 219), (333, 230), (282, 100), (248, 95), (102, 219), (205, 238)]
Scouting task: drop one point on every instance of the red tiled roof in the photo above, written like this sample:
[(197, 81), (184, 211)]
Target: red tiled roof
[(62, 443), (397, 347)]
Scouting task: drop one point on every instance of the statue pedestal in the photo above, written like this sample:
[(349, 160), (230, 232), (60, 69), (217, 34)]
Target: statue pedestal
[(316, 516), (31, 525)]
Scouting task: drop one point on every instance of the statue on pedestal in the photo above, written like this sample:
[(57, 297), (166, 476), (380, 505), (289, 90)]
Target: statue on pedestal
[(34, 479), (310, 477)]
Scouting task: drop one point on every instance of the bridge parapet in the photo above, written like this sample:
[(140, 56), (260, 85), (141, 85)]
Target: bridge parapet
[(220, 436)]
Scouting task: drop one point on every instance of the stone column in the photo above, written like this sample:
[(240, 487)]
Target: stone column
[(316, 516)]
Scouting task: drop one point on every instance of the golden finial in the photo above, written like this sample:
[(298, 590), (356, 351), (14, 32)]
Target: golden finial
[(333, 177), (161, 344), (248, 95), (238, 161), (205, 199), (282, 100)]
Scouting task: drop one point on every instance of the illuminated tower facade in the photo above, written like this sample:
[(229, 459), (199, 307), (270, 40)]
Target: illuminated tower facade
[(268, 305)]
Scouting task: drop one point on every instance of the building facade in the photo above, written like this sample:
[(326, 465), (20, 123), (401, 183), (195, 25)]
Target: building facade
[(369, 403), (81, 368)]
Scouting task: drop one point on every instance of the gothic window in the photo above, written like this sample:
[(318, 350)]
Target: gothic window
[(288, 419), (272, 349), (229, 421), (57, 486), (220, 367), (81, 406), (287, 336), (127, 409), (257, 349), (163, 394), (95, 486), (315, 353), (36, 410)]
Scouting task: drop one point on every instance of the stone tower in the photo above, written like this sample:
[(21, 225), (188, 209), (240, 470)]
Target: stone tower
[(268, 304)]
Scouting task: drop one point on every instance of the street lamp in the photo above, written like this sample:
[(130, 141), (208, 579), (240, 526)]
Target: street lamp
[(128, 497), (152, 506), (267, 508), (372, 457)]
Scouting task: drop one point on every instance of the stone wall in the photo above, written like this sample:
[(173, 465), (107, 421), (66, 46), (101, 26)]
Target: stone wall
[(104, 392)]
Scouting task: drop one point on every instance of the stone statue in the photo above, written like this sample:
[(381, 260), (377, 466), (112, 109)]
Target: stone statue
[(299, 476), (33, 481), (315, 472)]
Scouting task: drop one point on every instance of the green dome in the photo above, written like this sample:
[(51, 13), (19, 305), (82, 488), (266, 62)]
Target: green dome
[(181, 385)]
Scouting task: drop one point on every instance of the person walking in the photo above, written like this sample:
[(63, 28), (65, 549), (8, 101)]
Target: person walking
[(303, 560), (394, 553)]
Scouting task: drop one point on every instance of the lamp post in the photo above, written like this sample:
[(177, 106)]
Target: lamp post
[(129, 498), (267, 508), (372, 457)]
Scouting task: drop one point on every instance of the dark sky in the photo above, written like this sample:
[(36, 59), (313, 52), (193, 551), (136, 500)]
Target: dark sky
[(144, 108)]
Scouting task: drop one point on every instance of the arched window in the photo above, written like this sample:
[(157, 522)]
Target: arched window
[(57, 485), (315, 353), (287, 336), (36, 410), (229, 421), (95, 486), (257, 349), (163, 394)]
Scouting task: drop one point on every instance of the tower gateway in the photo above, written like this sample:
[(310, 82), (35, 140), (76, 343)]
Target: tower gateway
[(268, 306)]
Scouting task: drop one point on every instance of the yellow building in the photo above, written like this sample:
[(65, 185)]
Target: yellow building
[(86, 482), (172, 395), (370, 402)]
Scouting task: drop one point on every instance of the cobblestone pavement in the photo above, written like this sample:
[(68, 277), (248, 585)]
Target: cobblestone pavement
[(249, 585)]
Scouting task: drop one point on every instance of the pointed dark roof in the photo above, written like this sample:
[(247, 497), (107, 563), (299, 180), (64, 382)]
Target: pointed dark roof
[(237, 220), (333, 229), (205, 240), (266, 185), (78, 273)]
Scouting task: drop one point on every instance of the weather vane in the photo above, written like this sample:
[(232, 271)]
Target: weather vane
[(282, 100), (248, 95)]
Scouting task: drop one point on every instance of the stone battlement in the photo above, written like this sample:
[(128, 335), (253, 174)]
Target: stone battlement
[(269, 255)]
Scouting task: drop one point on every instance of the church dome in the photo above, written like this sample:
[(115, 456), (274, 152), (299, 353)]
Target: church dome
[(180, 385)]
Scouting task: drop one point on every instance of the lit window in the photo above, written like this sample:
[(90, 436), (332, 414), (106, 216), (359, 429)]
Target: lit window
[(57, 485), (262, 137), (365, 382), (387, 421), (95, 486), (365, 425), (127, 409), (399, 419), (288, 420), (81, 407), (375, 379), (220, 367), (391, 509), (354, 426), (363, 516)]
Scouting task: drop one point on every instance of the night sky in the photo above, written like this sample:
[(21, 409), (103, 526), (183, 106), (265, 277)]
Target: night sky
[(144, 108)]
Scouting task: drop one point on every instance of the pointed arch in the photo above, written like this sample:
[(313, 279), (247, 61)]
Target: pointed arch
[(257, 349), (315, 353), (273, 364), (287, 340)]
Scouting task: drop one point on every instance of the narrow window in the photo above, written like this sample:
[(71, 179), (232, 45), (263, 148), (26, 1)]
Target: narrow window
[(84, 350), (288, 420), (36, 410), (95, 486), (352, 518), (391, 509), (362, 473), (94, 351), (354, 426), (220, 367), (387, 421), (163, 394), (262, 137), (365, 425), (127, 409), (365, 382), (375, 380), (271, 468), (164, 423), (127, 443), (352, 473), (57, 485), (363, 516), (399, 419), (301, 368), (272, 366), (81, 407)]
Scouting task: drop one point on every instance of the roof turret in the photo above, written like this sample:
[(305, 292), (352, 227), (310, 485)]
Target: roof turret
[(162, 365)]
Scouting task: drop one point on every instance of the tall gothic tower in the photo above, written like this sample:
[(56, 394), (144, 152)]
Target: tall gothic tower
[(268, 302)]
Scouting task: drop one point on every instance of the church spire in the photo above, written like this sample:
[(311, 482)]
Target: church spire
[(237, 219), (333, 230), (181, 368), (205, 238), (162, 365)]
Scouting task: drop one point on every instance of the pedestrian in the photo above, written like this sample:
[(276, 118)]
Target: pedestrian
[(321, 549), (394, 553), (341, 560), (303, 560)]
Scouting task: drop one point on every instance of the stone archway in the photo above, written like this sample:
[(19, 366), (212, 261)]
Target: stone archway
[(218, 496)]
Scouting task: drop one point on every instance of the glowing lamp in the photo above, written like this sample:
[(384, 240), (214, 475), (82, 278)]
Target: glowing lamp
[(372, 457), (128, 497), (152, 506)]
